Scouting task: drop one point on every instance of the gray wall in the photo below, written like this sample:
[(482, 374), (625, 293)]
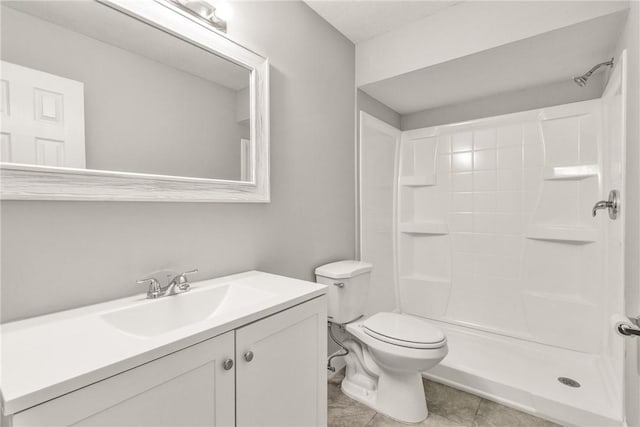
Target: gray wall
[(505, 103), (59, 255), (140, 115), (377, 109)]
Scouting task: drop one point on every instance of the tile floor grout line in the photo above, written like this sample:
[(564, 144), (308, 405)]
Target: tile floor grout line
[(375, 414), (475, 417), (456, 422), (477, 409)]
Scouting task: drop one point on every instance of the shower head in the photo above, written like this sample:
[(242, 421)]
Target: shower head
[(582, 80)]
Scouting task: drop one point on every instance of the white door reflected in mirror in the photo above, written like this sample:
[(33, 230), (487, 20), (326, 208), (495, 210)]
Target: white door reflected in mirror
[(42, 118)]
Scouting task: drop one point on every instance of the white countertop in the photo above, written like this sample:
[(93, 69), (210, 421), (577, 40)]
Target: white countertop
[(47, 356)]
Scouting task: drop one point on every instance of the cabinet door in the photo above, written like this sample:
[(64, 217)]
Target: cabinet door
[(281, 375), (186, 388)]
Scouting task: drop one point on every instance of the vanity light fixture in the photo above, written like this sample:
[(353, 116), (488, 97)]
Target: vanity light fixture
[(214, 13), (224, 11)]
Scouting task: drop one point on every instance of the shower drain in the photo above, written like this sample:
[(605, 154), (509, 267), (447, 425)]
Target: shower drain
[(569, 382)]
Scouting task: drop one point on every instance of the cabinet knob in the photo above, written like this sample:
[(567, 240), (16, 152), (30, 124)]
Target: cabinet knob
[(248, 356), (227, 364)]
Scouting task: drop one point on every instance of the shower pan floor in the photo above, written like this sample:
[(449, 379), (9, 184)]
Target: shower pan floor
[(525, 375)]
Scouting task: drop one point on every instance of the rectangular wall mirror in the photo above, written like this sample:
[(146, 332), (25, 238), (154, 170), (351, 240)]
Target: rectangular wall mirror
[(121, 100)]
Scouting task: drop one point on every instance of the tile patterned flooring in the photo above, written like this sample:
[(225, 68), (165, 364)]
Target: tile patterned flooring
[(448, 407)]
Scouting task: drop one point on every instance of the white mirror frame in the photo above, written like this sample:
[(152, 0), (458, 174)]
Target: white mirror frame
[(28, 182)]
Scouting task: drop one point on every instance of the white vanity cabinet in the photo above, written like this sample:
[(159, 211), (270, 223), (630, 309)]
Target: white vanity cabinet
[(189, 387), (267, 373), (281, 377)]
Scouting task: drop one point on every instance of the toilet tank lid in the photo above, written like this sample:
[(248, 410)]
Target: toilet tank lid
[(343, 269)]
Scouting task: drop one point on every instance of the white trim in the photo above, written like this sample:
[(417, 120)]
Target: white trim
[(356, 172), (371, 121), (246, 160), (616, 369), (25, 182)]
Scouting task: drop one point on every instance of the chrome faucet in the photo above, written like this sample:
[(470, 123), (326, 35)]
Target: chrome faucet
[(177, 283), (154, 287)]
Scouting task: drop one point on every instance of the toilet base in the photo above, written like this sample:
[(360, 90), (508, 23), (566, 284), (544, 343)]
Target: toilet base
[(390, 403), (398, 395)]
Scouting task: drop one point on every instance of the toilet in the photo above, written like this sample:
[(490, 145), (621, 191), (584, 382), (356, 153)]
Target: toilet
[(387, 351)]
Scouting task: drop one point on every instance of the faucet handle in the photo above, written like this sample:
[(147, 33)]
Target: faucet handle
[(154, 287), (182, 277), (183, 282)]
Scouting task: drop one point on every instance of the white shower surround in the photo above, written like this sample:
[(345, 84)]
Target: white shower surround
[(499, 235), (496, 244)]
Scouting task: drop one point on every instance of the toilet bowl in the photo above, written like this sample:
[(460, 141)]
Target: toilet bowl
[(387, 351), (387, 354)]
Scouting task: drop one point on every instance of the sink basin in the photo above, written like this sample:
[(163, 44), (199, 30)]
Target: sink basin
[(155, 317)]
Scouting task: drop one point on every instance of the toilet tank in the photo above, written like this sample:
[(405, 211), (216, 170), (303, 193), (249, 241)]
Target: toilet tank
[(348, 283)]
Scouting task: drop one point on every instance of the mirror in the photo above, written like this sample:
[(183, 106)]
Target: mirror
[(129, 91)]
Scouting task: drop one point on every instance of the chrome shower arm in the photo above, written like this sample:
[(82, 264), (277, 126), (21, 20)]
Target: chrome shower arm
[(595, 67), (582, 80)]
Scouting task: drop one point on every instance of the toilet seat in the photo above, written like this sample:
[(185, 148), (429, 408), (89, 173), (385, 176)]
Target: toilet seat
[(403, 330)]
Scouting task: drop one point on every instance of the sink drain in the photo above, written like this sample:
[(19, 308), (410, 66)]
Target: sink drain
[(569, 382)]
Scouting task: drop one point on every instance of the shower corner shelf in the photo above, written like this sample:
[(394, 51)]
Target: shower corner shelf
[(418, 180), (560, 298), (557, 233), (570, 173), (432, 228)]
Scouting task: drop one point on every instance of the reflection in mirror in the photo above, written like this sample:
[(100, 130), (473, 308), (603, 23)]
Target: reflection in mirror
[(87, 86)]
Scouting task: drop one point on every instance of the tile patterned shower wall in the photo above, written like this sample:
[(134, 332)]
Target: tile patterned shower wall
[(499, 236), (486, 218)]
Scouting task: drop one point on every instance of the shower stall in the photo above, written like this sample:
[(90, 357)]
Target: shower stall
[(486, 229)]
